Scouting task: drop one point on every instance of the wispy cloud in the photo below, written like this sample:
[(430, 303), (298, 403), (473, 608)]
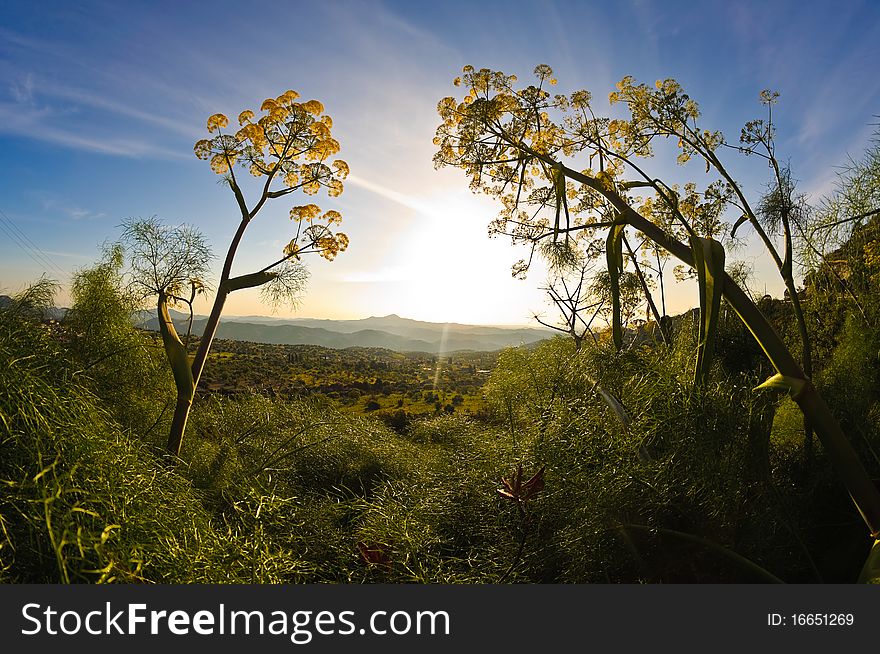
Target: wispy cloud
[(51, 203), (86, 112), (15, 41), (402, 199), (70, 255), (42, 124), (23, 90), (90, 99)]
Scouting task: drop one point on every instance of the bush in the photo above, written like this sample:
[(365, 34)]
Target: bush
[(83, 502), (667, 496), (125, 367)]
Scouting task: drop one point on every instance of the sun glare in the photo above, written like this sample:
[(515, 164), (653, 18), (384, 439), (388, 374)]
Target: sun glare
[(454, 272)]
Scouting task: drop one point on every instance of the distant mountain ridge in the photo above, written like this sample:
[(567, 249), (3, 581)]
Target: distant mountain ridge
[(391, 332)]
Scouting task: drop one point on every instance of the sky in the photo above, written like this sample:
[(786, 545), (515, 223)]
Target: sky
[(101, 102)]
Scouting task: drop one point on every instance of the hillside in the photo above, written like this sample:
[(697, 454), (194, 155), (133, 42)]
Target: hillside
[(361, 380), (390, 332)]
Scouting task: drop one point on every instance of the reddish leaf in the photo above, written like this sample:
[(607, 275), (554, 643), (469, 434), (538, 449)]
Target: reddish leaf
[(514, 488), (374, 553)]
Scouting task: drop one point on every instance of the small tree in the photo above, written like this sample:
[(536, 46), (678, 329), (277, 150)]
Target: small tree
[(169, 263), (289, 149), (126, 370), (845, 224), (519, 145), (576, 306)]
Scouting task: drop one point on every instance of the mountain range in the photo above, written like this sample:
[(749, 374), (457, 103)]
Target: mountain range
[(391, 332)]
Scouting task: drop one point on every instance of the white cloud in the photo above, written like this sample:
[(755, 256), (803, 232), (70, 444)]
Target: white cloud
[(42, 124), (50, 203), (23, 91)]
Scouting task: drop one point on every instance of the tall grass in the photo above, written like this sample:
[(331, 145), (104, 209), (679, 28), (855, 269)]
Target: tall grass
[(700, 462), (700, 482), (82, 501)]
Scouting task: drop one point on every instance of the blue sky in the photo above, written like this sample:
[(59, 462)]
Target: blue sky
[(101, 102)]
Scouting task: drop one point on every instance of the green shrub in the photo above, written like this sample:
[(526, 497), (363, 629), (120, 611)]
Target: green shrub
[(124, 366), (82, 502)]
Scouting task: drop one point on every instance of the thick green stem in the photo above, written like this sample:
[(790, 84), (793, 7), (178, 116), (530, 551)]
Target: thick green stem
[(847, 465), (178, 423), (175, 350), (227, 285), (181, 411), (806, 358), (786, 271)]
